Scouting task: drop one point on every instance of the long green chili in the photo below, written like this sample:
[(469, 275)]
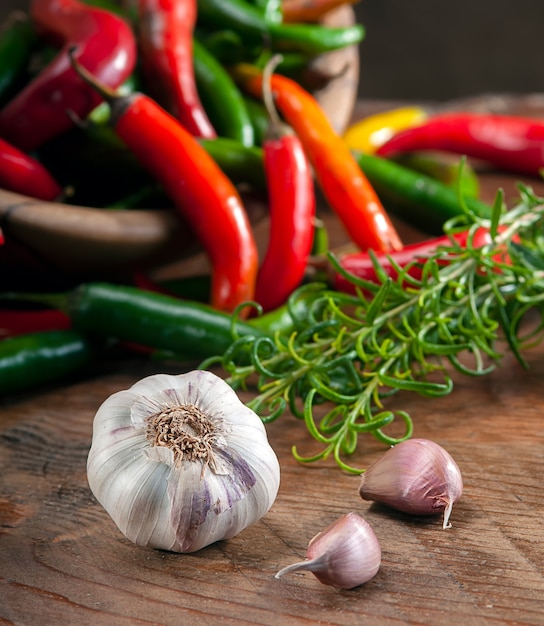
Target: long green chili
[(420, 199), (33, 359), (247, 20)]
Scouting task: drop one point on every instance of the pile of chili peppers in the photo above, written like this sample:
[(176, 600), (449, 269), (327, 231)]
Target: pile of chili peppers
[(178, 97)]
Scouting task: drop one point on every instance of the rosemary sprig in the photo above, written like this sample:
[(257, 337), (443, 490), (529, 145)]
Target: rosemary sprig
[(350, 353)]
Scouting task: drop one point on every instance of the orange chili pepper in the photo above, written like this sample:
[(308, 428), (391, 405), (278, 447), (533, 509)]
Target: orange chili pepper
[(309, 10), (337, 172)]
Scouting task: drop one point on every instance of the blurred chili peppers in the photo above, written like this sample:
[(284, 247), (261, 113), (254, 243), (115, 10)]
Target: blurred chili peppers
[(104, 44), (511, 143), (201, 191), (166, 53), (369, 133), (21, 173), (342, 181), (251, 23)]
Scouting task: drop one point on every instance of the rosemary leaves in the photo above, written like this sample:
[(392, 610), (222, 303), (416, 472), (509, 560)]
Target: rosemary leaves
[(351, 353)]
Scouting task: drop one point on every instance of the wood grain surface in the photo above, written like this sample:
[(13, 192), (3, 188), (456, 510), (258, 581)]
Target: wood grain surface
[(63, 561)]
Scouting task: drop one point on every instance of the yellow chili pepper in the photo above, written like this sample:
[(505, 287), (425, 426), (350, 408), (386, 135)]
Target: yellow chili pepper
[(371, 132)]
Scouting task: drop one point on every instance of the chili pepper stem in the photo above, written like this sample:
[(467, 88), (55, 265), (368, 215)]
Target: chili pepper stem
[(109, 95)]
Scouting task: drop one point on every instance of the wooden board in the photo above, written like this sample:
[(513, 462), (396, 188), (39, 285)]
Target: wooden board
[(63, 561)]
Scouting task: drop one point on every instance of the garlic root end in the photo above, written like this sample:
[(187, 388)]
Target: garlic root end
[(447, 513), (296, 567)]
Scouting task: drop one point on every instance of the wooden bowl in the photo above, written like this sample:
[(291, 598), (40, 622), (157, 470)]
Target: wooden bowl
[(83, 241)]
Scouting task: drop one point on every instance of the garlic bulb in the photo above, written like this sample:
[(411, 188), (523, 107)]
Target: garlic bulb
[(415, 476), (345, 555), (179, 462)]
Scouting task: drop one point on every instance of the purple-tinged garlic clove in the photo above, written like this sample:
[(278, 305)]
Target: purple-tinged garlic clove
[(345, 555), (416, 476)]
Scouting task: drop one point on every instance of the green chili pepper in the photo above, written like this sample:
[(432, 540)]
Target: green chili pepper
[(32, 359), (283, 319), (419, 199), (270, 9), (259, 118), (150, 319), (249, 22), (225, 45), (320, 244), (303, 68), (90, 153), (461, 177), (227, 113), (292, 315), (17, 42), (195, 288), (242, 164)]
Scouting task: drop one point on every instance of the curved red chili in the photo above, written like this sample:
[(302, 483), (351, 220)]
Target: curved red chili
[(165, 36), (105, 45), (344, 185), (360, 264), (512, 143), (21, 173), (202, 192)]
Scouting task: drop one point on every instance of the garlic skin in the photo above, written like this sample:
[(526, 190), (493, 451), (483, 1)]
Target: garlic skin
[(416, 476), (345, 555), (179, 462)]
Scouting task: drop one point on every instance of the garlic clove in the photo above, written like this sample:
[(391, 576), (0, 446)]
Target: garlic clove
[(416, 476), (180, 462), (345, 555)]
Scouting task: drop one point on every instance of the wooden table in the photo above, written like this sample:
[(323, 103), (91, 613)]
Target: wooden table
[(62, 560)]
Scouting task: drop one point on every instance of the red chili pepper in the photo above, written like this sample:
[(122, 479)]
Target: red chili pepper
[(166, 54), (16, 322), (105, 46), (360, 264), (204, 195), (508, 142), (21, 173), (344, 185), (291, 198)]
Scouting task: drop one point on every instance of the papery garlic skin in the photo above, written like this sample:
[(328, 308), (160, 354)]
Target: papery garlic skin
[(345, 555), (416, 476), (164, 499)]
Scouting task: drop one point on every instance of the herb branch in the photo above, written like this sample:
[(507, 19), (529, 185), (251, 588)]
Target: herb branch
[(350, 353)]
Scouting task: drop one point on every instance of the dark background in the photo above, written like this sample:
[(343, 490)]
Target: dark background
[(432, 50), (427, 49)]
